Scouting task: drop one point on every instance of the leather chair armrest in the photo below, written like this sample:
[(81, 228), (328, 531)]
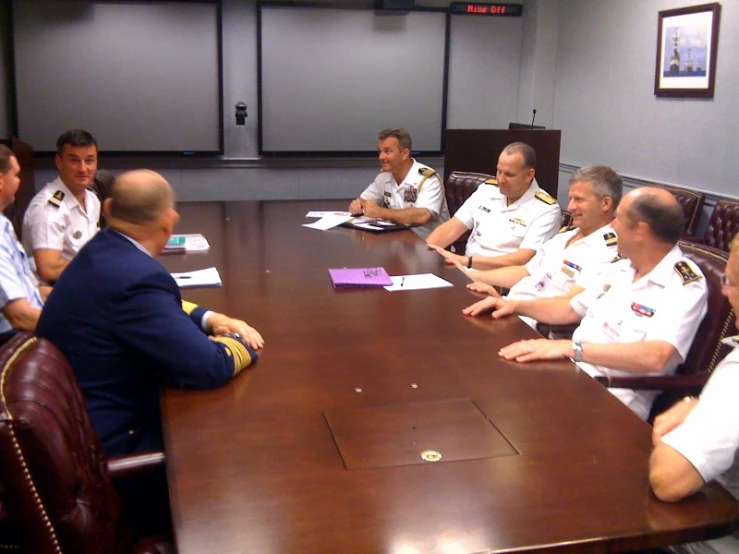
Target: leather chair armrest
[(135, 464), (691, 238), (662, 382)]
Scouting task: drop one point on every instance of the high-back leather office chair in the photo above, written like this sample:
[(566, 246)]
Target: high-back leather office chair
[(692, 204), (458, 188), (723, 225), (55, 478), (707, 350)]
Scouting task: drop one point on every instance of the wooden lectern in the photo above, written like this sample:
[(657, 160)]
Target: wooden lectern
[(478, 150)]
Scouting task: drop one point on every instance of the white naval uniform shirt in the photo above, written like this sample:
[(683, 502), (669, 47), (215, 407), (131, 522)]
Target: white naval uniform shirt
[(389, 194), (556, 267), (66, 226), (661, 305), (499, 229), (709, 439)]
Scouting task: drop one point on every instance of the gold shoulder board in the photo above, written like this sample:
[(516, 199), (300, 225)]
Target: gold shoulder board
[(426, 172), (611, 239), (544, 197), (491, 181), (686, 272), (618, 258)]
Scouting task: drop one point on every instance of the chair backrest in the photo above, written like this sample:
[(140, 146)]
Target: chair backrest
[(718, 324), (723, 224), (52, 467), (692, 204), (566, 220), (458, 188), (8, 539)]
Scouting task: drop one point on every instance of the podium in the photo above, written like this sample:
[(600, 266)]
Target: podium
[(478, 150)]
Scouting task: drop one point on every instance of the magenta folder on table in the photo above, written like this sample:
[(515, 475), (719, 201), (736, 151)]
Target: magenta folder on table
[(360, 277)]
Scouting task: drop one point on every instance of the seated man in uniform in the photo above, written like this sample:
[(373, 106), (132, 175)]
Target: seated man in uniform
[(574, 257), (21, 298), (509, 216), (117, 316), (64, 214), (652, 301), (406, 191), (697, 440)]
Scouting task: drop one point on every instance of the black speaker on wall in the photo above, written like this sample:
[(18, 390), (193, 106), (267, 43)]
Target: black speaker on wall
[(394, 4)]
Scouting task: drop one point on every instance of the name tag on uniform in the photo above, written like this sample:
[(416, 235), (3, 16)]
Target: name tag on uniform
[(387, 194), (517, 221), (641, 310), (543, 282), (484, 209)]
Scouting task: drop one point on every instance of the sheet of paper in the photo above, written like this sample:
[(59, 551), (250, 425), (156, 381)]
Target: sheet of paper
[(419, 281), (200, 278), (328, 222), (324, 214)]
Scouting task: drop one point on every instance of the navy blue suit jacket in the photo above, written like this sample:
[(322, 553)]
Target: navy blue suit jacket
[(117, 317)]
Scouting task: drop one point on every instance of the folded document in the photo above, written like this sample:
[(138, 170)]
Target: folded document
[(201, 278)]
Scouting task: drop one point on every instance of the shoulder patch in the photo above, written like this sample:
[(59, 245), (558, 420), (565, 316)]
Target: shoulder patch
[(491, 181), (686, 272), (56, 199), (544, 197), (610, 238), (618, 258), (426, 171), (565, 228)]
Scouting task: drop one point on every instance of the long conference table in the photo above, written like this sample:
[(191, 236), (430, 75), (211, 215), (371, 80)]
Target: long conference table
[(385, 422)]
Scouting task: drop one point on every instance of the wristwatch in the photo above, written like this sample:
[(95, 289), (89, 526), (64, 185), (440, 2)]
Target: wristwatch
[(577, 348), (235, 335)]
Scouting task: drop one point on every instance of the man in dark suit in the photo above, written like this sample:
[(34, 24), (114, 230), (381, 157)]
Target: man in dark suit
[(117, 316)]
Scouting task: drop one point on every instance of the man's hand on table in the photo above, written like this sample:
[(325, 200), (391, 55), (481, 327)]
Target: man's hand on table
[(221, 325)]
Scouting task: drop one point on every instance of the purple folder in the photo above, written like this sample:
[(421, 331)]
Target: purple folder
[(360, 277)]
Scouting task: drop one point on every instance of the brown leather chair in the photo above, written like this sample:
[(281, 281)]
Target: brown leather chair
[(55, 478), (692, 204), (707, 350), (723, 225), (458, 188), (566, 220)]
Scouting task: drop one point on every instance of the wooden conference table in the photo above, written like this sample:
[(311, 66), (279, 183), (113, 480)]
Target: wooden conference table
[(318, 448)]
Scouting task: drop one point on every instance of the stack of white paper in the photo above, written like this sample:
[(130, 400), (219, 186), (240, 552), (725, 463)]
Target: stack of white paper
[(201, 278)]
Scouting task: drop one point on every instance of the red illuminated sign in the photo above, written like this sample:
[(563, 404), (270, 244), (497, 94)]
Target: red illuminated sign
[(504, 10)]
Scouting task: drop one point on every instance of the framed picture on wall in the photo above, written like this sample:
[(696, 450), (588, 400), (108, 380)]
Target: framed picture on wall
[(687, 40)]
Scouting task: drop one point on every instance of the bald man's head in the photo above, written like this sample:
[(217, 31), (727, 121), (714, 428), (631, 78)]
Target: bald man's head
[(140, 197), (659, 209)]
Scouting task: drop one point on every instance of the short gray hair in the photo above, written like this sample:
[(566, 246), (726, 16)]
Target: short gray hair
[(404, 138), (604, 180)]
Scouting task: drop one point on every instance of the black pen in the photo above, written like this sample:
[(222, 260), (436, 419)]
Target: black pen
[(402, 281)]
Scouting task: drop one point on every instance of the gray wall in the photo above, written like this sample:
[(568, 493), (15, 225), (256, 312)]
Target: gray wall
[(605, 104)]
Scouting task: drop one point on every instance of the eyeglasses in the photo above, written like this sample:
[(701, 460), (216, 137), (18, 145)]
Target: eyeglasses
[(726, 282)]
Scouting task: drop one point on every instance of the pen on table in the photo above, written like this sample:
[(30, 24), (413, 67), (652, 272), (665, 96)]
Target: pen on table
[(402, 280), (184, 277)]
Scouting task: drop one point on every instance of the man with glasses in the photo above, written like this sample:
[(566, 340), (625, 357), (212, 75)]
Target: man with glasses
[(64, 214), (697, 440)]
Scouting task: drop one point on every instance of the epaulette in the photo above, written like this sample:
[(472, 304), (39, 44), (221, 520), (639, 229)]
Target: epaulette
[(618, 258), (491, 181), (686, 272), (56, 200), (565, 228), (611, 239), (426, 171), (544, 197)]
